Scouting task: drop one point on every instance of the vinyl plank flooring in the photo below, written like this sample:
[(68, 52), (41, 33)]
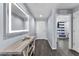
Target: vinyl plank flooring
[(63, 47), (42, 48)]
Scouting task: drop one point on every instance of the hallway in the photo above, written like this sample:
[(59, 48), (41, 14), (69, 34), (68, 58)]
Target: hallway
[(32, 29)]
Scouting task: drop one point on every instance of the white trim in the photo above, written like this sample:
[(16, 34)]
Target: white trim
[(75, 50), (14, 31), (54, 48), (9, 17), (10, 29), (42, 38)]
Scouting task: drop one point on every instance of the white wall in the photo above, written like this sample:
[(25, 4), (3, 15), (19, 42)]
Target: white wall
[(52, 30), (32, 26), (41, 27), (1, 21), (76, 30)]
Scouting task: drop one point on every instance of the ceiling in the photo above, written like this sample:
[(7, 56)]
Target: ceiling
[(67, 5), (42, 10)]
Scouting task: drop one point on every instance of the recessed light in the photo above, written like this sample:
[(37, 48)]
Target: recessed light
[(41, 15)]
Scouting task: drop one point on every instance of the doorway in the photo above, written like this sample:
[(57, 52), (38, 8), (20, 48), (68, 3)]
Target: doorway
[(63, 23), (41, 29)]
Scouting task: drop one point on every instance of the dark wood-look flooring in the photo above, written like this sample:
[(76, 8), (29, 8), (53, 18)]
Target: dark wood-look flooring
[(63, 49), (42, 48)]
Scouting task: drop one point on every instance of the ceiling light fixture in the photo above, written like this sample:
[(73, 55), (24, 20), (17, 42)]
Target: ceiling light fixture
[(41, 15)]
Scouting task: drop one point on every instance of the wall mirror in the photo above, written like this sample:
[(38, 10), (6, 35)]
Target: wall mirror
[(18, 19)]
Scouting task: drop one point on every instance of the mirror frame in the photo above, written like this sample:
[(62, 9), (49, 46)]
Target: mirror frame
[(10, 11)]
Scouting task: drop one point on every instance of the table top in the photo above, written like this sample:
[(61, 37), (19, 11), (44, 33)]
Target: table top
[(17, 47)]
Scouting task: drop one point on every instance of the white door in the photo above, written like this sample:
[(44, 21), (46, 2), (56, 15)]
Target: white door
[(41, 29)]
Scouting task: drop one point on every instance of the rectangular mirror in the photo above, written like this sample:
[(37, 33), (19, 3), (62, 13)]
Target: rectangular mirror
[(18, 19)]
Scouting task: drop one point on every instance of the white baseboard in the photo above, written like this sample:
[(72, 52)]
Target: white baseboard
[(42, 38), (75, 50), (54, 48)]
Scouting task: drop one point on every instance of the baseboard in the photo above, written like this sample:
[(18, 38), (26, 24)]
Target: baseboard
[(42, 38), (74, 50), (54, 48), (76, 53)]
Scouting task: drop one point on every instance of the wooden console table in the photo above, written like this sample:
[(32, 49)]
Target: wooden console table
[(22, 47)]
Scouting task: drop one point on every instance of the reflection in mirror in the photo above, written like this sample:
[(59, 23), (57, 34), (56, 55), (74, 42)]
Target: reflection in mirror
[(18, 19)]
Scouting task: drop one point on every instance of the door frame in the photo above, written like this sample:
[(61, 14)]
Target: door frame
[(70, 41)]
